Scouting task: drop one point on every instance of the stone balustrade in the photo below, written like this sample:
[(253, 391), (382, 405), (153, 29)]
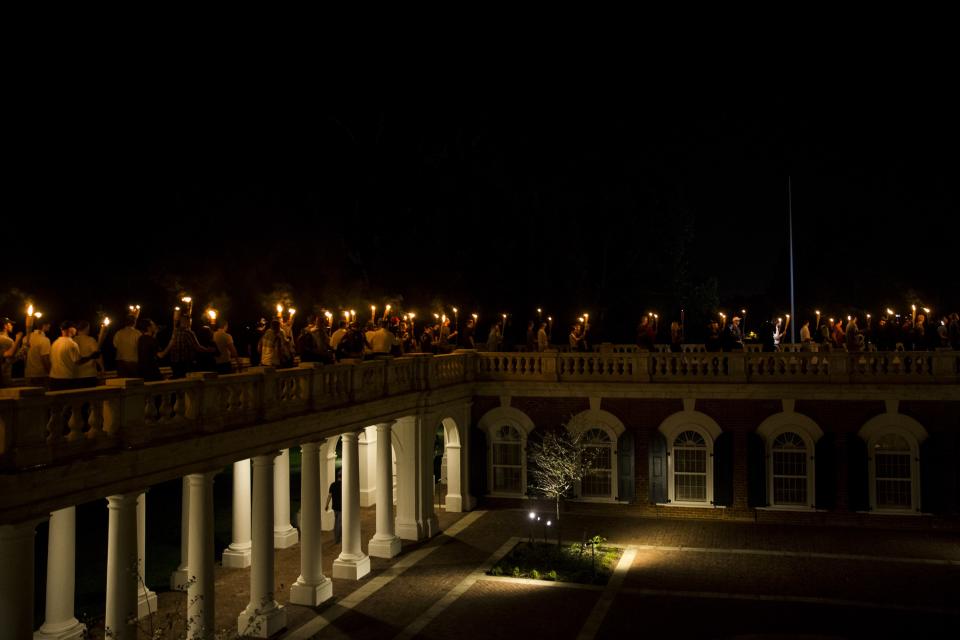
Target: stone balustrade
[(42, 428), (922, 367), (38, 428)]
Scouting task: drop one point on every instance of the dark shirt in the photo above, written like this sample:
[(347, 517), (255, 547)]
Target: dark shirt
[(147, 363), (336, 490), (185, 346)]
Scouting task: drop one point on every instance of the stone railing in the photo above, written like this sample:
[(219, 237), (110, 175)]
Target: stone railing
[(41, 428), (731, 367)]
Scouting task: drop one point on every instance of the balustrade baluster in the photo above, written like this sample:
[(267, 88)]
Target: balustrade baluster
[(76, 422), (96, 420)]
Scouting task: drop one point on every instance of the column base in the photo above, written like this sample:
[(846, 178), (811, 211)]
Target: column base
[(237, 558), (261, 625), (368, 497), (179, 580), (419, 530), (286, 538), (146, 604), (70, 630), (384, 548), (310, 595), (453, 504), (352, 568)]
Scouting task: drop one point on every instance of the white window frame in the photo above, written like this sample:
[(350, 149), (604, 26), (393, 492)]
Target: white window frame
[(519, 442), (810, 432), (490, 423), (613, 465), (596, 418), (914, 434), (709, 430), (708, 469)]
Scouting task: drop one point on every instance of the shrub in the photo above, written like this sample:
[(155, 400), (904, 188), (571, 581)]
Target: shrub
[(535, 574), (496, 571), (550, 575), (516, 572)]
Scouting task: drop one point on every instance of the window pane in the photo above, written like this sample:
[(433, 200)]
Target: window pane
[(789, 463), (690, 460), (790, 490), (689, 487), (506, 453), (506, 479), (893, 466), (596, 484)]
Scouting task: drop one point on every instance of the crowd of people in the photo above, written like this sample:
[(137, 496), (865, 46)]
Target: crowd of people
[(75, 359)]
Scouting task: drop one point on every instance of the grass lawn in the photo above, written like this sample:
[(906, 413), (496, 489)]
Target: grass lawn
[(547, 561)]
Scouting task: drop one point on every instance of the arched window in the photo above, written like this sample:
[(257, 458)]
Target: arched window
[(690, 467), (599, 482), (507, 458), (893, 472), (789, 469)]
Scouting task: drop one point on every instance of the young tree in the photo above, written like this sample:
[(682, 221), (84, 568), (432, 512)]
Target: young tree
[(557, 462)]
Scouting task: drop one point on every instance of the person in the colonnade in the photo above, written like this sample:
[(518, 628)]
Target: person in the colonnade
[(89, 372), (335, 495), (125, 342), (37, 369), (543, 342), (8, 351), (65, 359), (148, 361)]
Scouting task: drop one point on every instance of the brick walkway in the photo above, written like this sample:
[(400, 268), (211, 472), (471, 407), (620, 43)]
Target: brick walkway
[(687, 579)]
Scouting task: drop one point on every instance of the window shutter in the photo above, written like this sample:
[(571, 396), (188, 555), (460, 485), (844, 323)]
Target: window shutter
[(723, 470), (478, 461), (756, 471), (625, 485), (825, 465), (933, 478), (658, 468), (858, 476)]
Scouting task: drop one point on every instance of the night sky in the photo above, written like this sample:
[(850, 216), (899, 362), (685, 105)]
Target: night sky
[(610, 203)]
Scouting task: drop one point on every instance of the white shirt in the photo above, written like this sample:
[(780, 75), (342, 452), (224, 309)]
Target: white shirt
[(125, 341), (87, 346), (381, 340), (223, 341), (542, 341), (337, 337), (39, 347), (64, 354)]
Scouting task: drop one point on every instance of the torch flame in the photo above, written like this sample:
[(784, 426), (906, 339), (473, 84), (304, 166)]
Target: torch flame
[(30, 310)]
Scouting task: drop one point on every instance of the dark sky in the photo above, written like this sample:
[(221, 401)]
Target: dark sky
[(607, 202)]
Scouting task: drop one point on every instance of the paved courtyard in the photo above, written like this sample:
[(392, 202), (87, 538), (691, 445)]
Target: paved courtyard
[(676, 579)]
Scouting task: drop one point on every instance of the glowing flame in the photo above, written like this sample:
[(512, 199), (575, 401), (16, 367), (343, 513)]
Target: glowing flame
[(38, 315), (212, 314), (106, 322), (186, 299), (279, 309), (412, 315), (30, 310)]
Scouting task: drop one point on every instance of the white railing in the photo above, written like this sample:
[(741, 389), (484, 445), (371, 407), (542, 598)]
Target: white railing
[(695, 365), (40, 428)]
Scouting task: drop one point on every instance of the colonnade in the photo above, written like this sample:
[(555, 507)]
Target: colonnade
[(261, 522)]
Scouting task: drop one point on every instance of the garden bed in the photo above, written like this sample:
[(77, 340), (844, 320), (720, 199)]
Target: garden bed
[(584, 564)]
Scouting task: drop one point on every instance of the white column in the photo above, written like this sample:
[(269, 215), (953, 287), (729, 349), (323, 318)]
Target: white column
[(328, 471), (368, 466), (454, 501), (200, 593), (16, 578), (122, 579), (263, 617), (237, 555), (284, 535), (385, 543), (416, 519), (180, 577), (146, 599), (312, 587), (59, 621), (352, 563)]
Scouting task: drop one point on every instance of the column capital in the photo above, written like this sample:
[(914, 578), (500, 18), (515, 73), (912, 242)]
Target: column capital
[(123, 500)]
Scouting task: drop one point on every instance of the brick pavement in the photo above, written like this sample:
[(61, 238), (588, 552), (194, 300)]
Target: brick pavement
[(667, 591)]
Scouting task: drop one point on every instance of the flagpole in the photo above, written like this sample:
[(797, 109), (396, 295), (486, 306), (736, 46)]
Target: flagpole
[(793, 312)]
